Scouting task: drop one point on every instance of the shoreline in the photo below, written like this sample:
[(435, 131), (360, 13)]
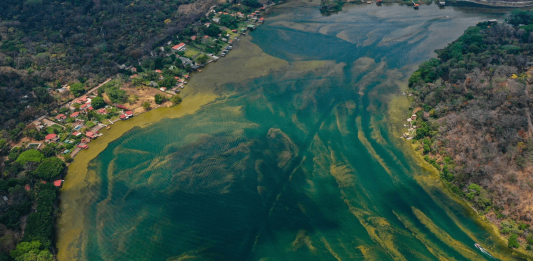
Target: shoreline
[(203, 89), (395, 113), (78, 179)]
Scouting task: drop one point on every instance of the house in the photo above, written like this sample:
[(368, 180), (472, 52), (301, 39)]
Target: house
[(74, 115), (122, 107), (158, 71), (90, 108), (216, 20), (234, 30), (51, 138), (101, 111), (91, 135), (61, 117), (76, 133), (27, 187), (129, 114), (179, 47), (123, 117), (163, 89), (58, 183), (261, 20), (84, 106), (83, 146), (207, 24), (82, 99), (193, 37), (413, 117), (133, 69)]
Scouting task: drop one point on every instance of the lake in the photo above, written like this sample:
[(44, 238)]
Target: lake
[(295, 155)]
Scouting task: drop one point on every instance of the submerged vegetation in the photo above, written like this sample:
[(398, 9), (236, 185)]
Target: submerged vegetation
[(471, 112)]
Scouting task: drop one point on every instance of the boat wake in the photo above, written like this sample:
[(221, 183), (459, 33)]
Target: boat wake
[(478, 246)]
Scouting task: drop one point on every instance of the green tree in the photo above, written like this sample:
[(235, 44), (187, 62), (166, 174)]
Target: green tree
[(68, 158), (49, 150), (213, 30), (25, 247), (159, 98), (50, 168), (176, 99), (35, 255), (30, 155), (77, 89), (146, 105), (97, 102), (512, 242), (202, 59)]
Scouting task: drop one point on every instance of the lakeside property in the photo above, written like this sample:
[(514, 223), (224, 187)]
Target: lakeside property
[(87, 114)]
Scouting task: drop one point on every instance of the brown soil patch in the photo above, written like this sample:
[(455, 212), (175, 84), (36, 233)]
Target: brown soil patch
[(144, 93)]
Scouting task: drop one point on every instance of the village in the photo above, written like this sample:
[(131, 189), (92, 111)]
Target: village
[(73, 126)]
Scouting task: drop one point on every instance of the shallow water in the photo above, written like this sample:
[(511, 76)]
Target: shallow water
[(300, 163)]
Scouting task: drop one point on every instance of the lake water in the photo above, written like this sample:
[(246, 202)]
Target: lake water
[(299, 162)]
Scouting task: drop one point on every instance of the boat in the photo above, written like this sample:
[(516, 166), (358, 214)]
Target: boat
[(368, 2), (478, 246), (416, 6)]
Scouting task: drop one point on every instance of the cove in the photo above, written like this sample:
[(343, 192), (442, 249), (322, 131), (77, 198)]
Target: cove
[(292, 153)]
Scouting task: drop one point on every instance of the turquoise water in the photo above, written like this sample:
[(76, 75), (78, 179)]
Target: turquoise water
[(297, 165)]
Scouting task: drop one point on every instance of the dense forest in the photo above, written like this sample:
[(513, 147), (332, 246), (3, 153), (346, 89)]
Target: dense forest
[(45, 44), (473, 121)]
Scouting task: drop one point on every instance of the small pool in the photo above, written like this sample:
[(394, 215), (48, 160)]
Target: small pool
[(77, 127)]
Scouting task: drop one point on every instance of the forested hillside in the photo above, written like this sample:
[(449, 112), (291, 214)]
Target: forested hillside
[(473, 121), (45, 43)]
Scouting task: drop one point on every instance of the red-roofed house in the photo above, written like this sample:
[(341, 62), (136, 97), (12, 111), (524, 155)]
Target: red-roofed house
[(179, 47), (101, 111), (90, 108), (58, 183), (122, 107), (61, 117), (158, 71), (261, 20), (123, 116), (74, 115), (83, 146), (193, 37), (76, 133), (84, 106), (129, 114), (82, 99), (91, 135), (27, 187), (163, 89), (187, 76), (51, 137)]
